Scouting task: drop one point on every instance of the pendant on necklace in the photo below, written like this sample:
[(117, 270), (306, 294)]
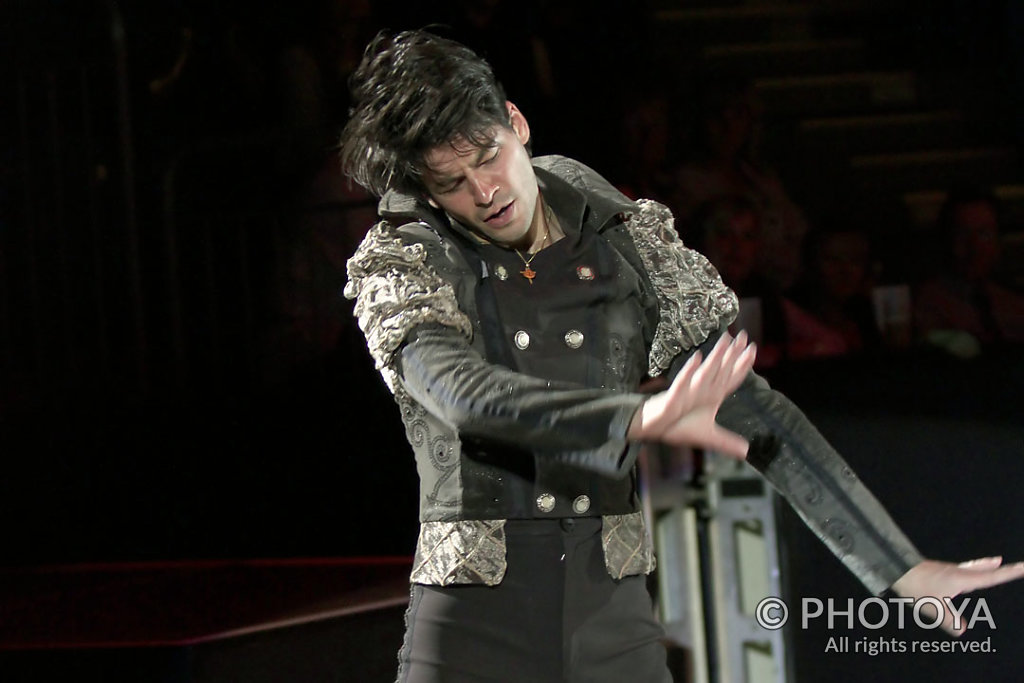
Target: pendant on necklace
[(529, 273)]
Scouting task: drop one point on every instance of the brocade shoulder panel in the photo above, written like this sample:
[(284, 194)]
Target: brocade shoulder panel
[(693, 301), (396, 289)]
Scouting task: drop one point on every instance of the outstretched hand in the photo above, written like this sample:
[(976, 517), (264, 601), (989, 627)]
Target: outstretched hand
[(931, 578), (684, 414)]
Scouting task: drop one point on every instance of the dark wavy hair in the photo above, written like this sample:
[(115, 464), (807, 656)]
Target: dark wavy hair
[(412, 92)]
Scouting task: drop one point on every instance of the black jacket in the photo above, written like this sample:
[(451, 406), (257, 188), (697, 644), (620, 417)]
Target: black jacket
[(496, 438)]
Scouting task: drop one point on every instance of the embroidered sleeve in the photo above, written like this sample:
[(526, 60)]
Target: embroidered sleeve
[(396, 289), (817, 482), (693, 301)]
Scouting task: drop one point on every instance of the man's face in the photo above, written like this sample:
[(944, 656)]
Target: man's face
[(733, 246), (491, 190), (842, 263)]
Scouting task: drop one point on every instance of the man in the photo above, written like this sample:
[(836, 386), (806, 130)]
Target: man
[(966, 307), (514, 306)]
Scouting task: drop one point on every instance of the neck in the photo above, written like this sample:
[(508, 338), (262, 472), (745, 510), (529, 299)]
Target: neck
[(545, 229)]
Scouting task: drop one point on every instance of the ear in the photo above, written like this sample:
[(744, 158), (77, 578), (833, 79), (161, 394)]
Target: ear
[(518, 123)]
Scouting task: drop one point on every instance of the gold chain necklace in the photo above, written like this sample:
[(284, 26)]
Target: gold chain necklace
[(528, 272)]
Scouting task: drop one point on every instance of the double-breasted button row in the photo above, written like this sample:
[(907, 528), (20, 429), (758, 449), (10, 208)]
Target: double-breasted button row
[(573, 339), (546, 503)]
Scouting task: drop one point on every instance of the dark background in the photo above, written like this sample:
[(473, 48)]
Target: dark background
[(181, 377)]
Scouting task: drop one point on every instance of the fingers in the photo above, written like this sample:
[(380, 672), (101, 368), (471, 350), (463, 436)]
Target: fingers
[(744, 364), (732, 354), (708, 370), (728, 443), (701, 385), (732, 347), (935, 579), (718, 370), (737, 363), (975, 579), (982, 564), (682, 381), (729, 358)]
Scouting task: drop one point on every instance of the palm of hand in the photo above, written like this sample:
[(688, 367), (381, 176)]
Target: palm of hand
[(685, 413)]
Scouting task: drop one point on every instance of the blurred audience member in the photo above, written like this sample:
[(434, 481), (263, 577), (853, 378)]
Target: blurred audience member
[(723, 161), (646, 143), (728, 232), (965, 306), (835, 315)]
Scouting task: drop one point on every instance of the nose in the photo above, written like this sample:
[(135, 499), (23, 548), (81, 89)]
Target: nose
[(483, 190)]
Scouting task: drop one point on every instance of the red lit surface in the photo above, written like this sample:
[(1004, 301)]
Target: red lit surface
[(183, 603)]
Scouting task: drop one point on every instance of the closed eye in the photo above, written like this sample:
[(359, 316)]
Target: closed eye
[(452, 186)]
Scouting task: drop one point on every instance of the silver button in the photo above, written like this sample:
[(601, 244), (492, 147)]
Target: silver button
[(581, 504), (522, 340), (545, 502), (501, 273), (585, 273), (574, 339)]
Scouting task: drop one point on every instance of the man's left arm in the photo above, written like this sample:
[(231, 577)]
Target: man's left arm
[(788, 451), (821, 487)]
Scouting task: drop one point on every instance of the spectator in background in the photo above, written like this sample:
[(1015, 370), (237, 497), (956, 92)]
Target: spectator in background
[(965, 307), (723, 161), (728, 231), (835, 316), (646, 138)]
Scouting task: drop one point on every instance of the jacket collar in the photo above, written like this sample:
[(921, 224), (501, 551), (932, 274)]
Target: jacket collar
[(564, 179)]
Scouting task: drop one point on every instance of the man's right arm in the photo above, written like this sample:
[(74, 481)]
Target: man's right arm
[(479, 399), (420, 339)]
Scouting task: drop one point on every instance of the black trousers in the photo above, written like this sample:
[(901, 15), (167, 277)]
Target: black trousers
[(557, 616)]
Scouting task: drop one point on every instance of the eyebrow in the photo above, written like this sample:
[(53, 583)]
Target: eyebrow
[(443, 181)]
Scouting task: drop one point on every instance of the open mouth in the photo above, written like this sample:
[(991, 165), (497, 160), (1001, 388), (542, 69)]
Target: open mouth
[(500, 215)]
